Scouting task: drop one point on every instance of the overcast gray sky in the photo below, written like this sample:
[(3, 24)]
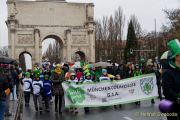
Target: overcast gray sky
[(145, 10)]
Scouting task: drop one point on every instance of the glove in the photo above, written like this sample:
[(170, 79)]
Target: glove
[(7, 91)]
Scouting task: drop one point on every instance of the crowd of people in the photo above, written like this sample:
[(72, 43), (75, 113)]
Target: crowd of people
[(44, 81)]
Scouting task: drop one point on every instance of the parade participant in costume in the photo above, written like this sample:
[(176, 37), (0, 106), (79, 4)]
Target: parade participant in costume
[(57, 79), (37, 93), (79, 74), (104, 75), (171, 79), (137, 71), (47, 91), (73, 78), (117, 77), (98, 73), (27, 88), (88, 78)]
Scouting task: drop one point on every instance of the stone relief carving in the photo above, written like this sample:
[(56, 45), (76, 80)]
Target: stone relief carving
[(79, 39), (25, 39)]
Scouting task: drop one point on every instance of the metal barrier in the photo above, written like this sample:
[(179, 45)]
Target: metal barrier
[(19, 111)]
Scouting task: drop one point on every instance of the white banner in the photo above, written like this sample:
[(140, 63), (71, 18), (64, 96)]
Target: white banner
[(108, 93)]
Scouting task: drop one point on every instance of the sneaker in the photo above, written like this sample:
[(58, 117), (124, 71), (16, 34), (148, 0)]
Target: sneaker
[(36, 108), (152, 101), (137, 103)]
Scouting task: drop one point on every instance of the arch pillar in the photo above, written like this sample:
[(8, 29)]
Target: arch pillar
[(69, 40), (37, 45)]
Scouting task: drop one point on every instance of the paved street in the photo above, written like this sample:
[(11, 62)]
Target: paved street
[(127, 112), (13, 108)]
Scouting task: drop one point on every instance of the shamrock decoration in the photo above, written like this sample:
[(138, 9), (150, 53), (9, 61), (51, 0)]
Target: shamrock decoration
[(147, 87), (76, 95)]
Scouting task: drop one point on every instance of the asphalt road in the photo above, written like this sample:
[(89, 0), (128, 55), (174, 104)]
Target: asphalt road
[(127, 112)]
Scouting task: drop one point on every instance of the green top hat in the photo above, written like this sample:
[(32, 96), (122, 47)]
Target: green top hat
[(174, 46)]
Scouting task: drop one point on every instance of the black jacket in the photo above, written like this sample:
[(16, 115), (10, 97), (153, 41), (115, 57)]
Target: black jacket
[(171, 83)]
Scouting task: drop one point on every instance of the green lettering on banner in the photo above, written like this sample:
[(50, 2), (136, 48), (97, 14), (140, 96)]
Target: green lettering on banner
[(76, 95)]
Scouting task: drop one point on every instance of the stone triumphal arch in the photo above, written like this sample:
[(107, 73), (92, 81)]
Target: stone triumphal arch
[(30, 22)]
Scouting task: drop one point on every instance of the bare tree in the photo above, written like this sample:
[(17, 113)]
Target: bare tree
[(174, 17), (119, 20), (137, 26), (105, 28)]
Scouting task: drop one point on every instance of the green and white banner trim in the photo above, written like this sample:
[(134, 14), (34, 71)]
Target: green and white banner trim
[(108, 93)]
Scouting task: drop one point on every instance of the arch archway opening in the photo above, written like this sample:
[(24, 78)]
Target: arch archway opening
[(52, 49), (25, 61)]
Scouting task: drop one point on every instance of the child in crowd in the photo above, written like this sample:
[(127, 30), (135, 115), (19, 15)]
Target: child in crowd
[(73, 79), (27, 88), (117, 77), (37, 92), (47, 90), (104, 75), (88, 78)]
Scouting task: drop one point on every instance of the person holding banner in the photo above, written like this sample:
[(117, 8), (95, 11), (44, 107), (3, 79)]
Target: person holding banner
[(57, 78), (104, 75), (171, 79)]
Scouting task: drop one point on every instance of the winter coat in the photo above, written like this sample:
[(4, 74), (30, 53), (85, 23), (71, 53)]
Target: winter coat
[(3, 86), (57, 83), (171, 83), (47, 88)]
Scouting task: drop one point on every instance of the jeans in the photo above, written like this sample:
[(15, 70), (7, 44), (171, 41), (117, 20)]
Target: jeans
[(7, 105), (37, 100), (2, 110), (13, 95), (47, 101)]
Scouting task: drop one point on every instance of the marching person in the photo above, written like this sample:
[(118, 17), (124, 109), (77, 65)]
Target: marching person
[(171, 79), (15, 78), (27, 87), (57, 79), (47, 91), (73, 79), (88, 79), (37, 93)]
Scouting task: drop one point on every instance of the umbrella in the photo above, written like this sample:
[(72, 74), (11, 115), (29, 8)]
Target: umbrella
[(7, 60), (164, 55), (102, 64)]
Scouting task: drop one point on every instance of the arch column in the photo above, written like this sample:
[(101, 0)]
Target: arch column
[(37, 50), (69, 39), (12, 37), (92, 45)]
